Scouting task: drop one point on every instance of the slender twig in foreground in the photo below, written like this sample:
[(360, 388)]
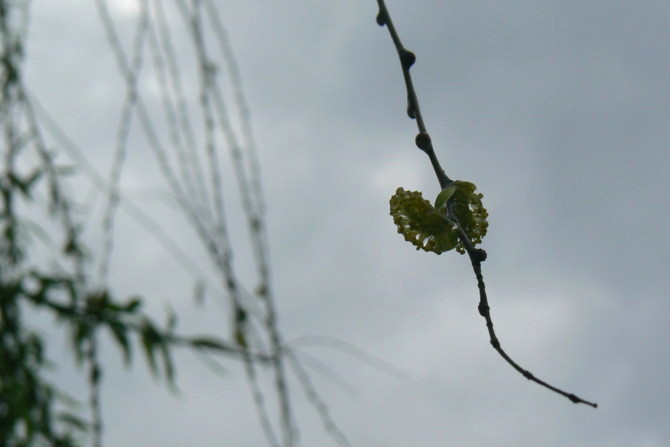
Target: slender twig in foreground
[(315, 399), (477, 255)]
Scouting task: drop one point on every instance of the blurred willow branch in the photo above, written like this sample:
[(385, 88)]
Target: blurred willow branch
[(476, 255), (34, 187)]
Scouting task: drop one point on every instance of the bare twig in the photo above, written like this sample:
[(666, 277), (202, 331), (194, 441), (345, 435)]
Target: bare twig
[(477, 255), (319, 404), (407, 59), (352, 350), (122, 137)]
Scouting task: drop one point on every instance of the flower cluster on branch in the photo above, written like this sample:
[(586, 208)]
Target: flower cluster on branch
[(433, 227)]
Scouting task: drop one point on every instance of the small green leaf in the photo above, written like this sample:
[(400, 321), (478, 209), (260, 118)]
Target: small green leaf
[(240, 338), (119, 331), (444, 196), (150, 341), (209, 343), (81, 334), (73, 420), (133, 305), (168, 365)]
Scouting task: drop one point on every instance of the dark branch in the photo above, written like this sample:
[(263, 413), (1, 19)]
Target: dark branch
[(477, 255), (407, 59), (485, 311)]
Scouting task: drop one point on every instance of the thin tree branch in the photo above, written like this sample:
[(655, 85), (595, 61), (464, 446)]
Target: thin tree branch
[(319, 404), (407, 59), (353, 351), (477, 255)]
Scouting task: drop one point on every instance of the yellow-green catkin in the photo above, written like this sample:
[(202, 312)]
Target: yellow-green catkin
[(428, 228)]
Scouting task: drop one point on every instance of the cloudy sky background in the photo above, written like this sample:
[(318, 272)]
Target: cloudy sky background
[(559, 111)]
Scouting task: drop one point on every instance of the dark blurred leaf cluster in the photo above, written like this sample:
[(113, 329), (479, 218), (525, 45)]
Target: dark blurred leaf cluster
[(32, 410)]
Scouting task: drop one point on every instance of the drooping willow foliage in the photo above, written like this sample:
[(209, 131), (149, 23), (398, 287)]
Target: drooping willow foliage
[(193, 137)]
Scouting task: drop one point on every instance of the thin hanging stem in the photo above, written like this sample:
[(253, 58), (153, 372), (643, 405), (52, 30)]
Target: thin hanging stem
[(477, 255)]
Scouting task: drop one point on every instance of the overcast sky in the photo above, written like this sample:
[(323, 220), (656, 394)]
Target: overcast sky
[(559, 111)]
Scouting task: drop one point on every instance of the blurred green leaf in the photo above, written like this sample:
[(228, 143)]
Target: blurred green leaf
[(81, 334), (168, 364), (120, 333), (74, 421), (150, 341), (210, 343), (133, 305)]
